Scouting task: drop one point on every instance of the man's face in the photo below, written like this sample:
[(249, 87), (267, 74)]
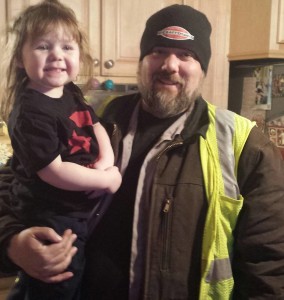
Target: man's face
[(169, 80)]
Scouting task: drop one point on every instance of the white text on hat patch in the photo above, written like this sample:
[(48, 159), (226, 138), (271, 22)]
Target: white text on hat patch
[(175, 33)]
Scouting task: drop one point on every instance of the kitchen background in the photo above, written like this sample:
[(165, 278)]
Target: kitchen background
[(246, 33)]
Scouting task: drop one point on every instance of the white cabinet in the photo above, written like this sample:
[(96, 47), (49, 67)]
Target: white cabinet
[(257, 29), (114, 28)]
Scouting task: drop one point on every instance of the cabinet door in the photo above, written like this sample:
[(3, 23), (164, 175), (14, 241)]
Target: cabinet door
[(216, 85), (257, 31), (280, 23), (87, 13), (123, 23), (14, 7), (2, 16)]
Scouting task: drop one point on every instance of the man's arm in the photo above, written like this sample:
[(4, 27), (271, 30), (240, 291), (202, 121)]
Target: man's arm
[(258, 259), (18, 244), (9, 224)]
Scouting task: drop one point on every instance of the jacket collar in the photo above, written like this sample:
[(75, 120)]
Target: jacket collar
[(198, 121), (120, 111)]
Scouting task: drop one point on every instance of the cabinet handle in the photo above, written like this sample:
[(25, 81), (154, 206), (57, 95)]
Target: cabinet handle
[(96, 62), (109, 64)]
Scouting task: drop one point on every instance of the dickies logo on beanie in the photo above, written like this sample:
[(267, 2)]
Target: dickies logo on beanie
[(176, 33), (178, 26)]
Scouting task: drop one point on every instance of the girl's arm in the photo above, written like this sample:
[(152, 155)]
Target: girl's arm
[(106, 156), (73, 177)]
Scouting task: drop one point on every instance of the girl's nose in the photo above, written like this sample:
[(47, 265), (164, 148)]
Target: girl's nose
[(171, 63), (56, 53)]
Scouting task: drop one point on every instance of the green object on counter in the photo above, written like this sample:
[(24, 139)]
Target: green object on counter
[(105, 102)]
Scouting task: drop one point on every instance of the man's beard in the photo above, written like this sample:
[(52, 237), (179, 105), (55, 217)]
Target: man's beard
[(161, 103)]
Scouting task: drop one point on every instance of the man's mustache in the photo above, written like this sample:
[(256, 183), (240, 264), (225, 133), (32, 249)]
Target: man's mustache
[(169, 77)]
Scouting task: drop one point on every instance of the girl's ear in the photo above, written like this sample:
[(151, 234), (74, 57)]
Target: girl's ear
[(20, 64)]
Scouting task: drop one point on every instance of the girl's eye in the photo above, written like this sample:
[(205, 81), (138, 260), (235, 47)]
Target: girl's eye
[(67, 47), (42, 47)]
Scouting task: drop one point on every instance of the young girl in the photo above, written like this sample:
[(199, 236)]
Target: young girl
[(61, 151)]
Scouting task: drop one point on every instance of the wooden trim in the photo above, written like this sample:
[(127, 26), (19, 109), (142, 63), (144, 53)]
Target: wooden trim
[(5, 285), (280, 23)]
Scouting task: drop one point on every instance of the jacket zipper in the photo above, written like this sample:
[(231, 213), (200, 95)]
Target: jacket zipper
[(174, 144), (166, 231), (114, 129), (166, 217)]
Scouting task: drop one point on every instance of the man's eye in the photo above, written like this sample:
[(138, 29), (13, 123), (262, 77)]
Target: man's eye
[(188, 55), (157, 52)]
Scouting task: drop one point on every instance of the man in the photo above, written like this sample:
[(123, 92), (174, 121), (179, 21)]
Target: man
[(200, 213)]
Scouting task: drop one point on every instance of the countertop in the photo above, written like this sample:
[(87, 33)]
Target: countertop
[(5, 146), (5, 153)]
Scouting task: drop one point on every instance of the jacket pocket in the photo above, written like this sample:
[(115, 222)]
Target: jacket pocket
[(230, 209)]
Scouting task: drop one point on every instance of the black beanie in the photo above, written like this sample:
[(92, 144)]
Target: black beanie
[(178, 26)]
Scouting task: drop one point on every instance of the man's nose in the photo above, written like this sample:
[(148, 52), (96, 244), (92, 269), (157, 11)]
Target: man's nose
[(171, 63)]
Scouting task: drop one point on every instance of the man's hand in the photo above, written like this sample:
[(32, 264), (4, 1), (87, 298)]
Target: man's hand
[(43, 254)]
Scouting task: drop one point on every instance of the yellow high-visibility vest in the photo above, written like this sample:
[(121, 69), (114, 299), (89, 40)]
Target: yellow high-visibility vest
[(220, 152)]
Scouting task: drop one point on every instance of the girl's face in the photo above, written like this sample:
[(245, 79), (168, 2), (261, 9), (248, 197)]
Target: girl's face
[(51, 61)]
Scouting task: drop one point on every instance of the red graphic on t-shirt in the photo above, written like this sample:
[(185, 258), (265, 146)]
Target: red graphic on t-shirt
[(82, 118), (78, 142)]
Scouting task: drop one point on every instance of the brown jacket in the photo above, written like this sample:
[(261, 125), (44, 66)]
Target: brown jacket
[(174, 235)]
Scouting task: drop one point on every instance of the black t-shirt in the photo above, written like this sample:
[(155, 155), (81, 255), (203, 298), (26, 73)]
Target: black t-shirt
[(41, 128)]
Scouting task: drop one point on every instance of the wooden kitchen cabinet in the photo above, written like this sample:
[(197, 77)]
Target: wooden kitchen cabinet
[(257, 29), (122, 25), (114, 28), (87, 12)]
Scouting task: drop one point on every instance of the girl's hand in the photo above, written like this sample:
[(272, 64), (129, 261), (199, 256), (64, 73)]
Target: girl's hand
[(115, 179), (102, 164)]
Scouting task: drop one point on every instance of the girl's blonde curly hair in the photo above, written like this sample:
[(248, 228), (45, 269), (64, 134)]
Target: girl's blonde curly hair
[(33, 22)]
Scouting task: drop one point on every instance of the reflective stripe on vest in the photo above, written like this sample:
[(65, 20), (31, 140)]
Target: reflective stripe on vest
[(220, 152), (226, 152)]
